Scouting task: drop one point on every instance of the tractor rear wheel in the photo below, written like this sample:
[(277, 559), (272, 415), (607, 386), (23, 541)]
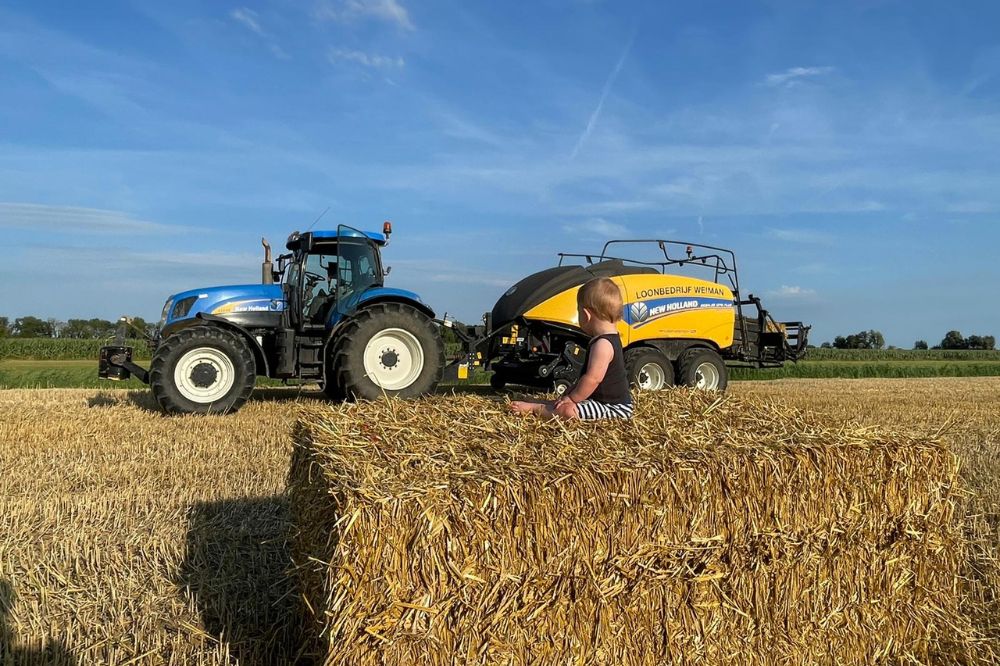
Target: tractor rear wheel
[(202, 370), (702, 369), (330, 388), (388, 349), (648, 369)]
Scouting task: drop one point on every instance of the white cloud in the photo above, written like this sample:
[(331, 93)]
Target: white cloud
[(278, 52), (471, 278), (248, 19), (597, 226), (800, 236), (793, 291), (39, 217), (389, 11), (794, 76), (167, 258), (372, 60), (421, 270)]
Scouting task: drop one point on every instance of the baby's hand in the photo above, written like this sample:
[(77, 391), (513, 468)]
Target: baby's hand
[(565, 409)]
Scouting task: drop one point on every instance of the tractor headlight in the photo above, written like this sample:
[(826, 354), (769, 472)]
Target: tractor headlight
[(183, 307), (166, 310)]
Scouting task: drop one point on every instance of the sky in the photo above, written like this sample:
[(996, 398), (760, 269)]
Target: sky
[(847, 152)]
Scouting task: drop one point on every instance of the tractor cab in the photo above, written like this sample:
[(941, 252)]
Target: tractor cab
[(327, 272)]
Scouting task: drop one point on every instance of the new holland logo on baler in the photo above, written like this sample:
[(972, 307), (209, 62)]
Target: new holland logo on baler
[(644, 312)]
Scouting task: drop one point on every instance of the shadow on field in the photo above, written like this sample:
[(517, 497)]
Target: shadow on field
[(49, 652), (236, 570), (143, 399)]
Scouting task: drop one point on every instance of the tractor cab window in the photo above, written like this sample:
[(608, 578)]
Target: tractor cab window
[(358, 269), (319, 285), (332, 274)]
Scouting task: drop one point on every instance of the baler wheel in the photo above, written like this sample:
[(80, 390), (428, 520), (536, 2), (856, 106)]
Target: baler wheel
[(561, 386), (702, 369), (648, 369)]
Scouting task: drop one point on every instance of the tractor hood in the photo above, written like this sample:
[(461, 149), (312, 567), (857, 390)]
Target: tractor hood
[(222, 301)]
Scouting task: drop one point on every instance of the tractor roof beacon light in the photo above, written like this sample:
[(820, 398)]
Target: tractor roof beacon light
[(387, 230)]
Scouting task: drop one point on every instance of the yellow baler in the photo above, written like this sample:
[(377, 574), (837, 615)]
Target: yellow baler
[(675, 328)]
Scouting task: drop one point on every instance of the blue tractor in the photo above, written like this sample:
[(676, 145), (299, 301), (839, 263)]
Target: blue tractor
[(323, 315)]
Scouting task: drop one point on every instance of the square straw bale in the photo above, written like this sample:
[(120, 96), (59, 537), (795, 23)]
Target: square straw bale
[(707, 530)]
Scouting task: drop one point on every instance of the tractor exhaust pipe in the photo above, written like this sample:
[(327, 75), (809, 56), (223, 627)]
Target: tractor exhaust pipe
[(266, 268)]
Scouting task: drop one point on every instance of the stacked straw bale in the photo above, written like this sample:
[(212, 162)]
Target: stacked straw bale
[(705, 531)]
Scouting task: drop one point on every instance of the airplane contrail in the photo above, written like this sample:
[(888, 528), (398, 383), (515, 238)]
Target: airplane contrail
[(604, 95)]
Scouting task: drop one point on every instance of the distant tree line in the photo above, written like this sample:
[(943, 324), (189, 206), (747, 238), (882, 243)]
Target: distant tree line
[(875, 340), (955, 340), (78, 329), (862, 340)]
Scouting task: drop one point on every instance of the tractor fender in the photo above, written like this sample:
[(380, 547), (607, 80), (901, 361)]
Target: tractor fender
[(674, 348), (386, 294), (205, 319)]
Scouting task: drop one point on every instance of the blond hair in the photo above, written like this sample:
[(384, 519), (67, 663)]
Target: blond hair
[(602, 297)]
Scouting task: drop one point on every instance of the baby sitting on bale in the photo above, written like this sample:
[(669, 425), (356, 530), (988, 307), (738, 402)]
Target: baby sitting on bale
[(602, 391)]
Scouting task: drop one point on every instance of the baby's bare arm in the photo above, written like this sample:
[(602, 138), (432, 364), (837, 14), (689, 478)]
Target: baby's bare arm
[(601, 355)]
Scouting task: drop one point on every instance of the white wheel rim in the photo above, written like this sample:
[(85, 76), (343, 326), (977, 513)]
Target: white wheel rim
[(651, 377), (393, 359), (204, 375), (561, 388), (707, 377)]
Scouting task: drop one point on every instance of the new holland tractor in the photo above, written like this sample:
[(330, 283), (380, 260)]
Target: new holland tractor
[(676, 329), (323, 315)]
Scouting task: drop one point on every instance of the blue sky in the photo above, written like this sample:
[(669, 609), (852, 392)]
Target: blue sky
[(847, 151)]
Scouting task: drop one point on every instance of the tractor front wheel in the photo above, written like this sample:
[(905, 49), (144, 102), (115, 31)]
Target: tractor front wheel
[(202, 370), (388, 349), (702, 369)]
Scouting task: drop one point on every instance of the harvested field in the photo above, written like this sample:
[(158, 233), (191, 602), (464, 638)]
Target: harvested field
[(125, 535)]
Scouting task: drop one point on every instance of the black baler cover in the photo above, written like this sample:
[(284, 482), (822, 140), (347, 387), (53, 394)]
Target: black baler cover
[(543, 285)]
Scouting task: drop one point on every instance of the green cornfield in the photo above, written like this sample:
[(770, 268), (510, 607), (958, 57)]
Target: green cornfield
[(819, 354), (61, 349)]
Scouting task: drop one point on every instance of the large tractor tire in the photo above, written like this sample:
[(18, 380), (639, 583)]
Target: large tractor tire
[(388, 349), (648, 369), (202, 370), (702, 369), (330, 388)]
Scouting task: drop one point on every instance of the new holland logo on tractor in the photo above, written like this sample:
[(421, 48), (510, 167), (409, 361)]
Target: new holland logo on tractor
[(324, 315)]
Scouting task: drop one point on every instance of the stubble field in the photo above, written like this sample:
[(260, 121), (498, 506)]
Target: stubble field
[(130, 537)]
